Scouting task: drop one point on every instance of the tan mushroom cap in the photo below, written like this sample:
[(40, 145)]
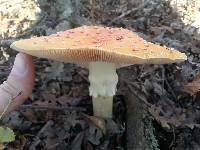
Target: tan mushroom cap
[(95, 43)]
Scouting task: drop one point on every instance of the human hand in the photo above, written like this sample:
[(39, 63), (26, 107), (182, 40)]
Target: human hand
[(16, 89)]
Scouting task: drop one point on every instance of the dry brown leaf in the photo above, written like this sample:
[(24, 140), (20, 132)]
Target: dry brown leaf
[(178, 117), (50, 100), (29, 114), (98, 122), (155, 111), (1, 146), (193, 87)]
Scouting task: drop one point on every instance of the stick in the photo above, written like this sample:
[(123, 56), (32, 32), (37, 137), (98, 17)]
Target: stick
[(128, 12), (50, 107)]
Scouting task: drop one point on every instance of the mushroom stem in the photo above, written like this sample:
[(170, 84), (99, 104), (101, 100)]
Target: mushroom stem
[(103, 81), (103, 106)]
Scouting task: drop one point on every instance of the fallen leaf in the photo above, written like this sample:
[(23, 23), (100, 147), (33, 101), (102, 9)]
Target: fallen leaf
[(98, 122), (29, 114), (193, 87), (76, 144), (1, 146), (94, 135), (155, 111), (174, 116)]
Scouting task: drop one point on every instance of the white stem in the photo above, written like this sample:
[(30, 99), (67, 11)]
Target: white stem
[(103, 81), (103, 106)]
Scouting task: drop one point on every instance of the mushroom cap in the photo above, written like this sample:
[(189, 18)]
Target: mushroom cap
[(94, 43)]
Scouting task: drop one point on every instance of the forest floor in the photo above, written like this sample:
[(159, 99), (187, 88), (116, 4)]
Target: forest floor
[(57, 114)]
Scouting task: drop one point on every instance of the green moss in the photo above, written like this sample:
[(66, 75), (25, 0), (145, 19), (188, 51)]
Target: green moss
[(149, 132)]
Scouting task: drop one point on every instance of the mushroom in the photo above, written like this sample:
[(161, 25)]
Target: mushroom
[(102, 50)]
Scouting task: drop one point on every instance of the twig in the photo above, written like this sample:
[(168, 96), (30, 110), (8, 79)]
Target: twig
[(163, 78), (136, 93), (54, 107), (37, 137), (170, 88), (133, 10)]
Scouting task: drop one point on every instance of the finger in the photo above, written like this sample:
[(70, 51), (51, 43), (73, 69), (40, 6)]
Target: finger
[(20, 81)]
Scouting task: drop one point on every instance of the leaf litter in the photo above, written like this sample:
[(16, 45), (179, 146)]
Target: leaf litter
[(52, 117)]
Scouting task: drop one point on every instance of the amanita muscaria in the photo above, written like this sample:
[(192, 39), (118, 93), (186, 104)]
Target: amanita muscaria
[(102, 50)]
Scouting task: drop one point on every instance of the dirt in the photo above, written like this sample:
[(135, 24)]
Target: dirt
[(54, 117)]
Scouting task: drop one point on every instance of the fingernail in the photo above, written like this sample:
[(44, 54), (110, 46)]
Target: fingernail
[(20, 65)]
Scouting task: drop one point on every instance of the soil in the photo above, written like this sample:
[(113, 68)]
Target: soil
[(58, 114)]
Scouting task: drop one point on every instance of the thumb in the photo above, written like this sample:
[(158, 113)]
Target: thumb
[(16, 89)]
